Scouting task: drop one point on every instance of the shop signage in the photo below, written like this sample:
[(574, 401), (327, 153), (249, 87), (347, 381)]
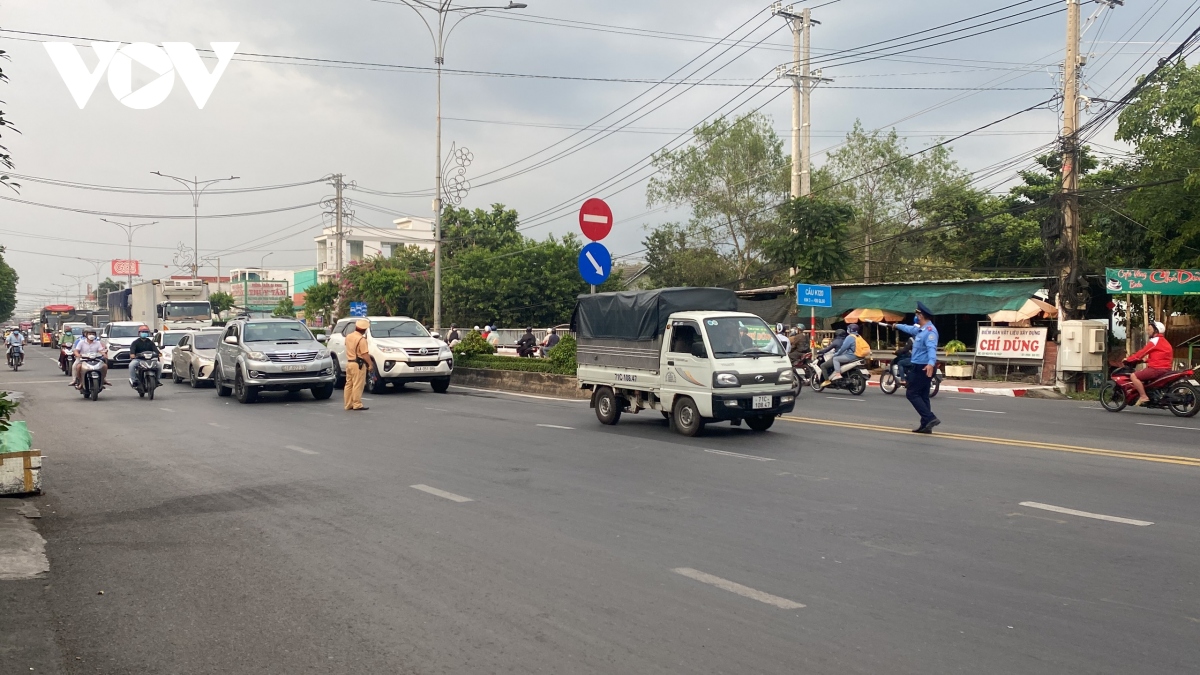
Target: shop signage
[(260, 294), (1152, 282), (1009, 342)]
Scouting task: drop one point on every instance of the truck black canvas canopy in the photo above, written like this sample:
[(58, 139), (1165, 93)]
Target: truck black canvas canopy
[(642, 315)]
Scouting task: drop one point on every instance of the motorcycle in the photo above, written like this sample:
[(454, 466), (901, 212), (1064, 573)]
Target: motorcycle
[(893, 378), (803, 370), (66, 359), (1177, 391), (145, 374), (91, 378), (16, 357), (854, 378)]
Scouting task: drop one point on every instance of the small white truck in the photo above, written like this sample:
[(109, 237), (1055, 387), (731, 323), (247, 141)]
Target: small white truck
[(170, 304), (686, 352)]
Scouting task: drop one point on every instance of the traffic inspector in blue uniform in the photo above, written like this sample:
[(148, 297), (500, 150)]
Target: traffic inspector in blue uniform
[(924, 364)]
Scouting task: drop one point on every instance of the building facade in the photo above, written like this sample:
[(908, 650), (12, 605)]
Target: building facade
[(361, 242)]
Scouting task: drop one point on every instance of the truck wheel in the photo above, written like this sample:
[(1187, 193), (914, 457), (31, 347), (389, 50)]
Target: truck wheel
[(441, 386), (687, 417), (608, 409), (243, 393), (760, 423)]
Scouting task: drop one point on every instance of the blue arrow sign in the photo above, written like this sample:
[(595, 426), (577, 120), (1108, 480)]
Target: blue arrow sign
[(595, 263), (810, 295), (358, 309)]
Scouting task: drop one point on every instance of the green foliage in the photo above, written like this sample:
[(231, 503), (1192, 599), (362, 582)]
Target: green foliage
[(5, 157), (395, 286), (473, 345), (7, 408), (676, 261), (320, 300), (562, 355), (811, 238), (513, 363), (463, 230), (285, 309), (104, 288), (954, 347), (730, 176), (221, 302), (8, 289)]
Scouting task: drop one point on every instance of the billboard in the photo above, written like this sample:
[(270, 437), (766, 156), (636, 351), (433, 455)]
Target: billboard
[(125, 268), (259, 295), (1152, 282), (1008, 342)]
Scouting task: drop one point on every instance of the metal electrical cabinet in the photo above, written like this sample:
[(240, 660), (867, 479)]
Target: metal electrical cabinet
[(1082, 345)]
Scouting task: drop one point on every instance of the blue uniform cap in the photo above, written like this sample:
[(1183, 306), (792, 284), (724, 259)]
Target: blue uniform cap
[(928, 313)]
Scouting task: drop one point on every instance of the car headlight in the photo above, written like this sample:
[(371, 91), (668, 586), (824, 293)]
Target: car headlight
[(392, 350), (726, 380), (323, 354), (786, 377), (256, 356), (445, 353)]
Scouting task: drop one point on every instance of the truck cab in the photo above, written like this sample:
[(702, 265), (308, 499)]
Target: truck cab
[(700, 364)]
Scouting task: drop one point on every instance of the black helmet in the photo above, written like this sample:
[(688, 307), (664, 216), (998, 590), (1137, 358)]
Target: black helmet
[(841, 332)]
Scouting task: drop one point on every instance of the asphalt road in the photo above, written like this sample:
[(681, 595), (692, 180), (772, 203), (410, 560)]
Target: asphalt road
[(286, 537)]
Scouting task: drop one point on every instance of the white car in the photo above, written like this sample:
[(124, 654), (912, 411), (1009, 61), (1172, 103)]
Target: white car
[(167, 340), (116, 338), (401, 350)]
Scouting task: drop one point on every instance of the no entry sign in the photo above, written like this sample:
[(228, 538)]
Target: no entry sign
[(595, 219)]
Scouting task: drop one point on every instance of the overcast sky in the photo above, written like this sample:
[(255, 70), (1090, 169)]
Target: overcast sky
[(272, 122)]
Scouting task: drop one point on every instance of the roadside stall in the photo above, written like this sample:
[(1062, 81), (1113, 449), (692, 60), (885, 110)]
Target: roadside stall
[(1158, 289)]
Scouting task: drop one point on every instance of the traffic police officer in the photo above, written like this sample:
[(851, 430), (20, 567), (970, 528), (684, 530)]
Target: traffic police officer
[(358, 360), (924, 364)]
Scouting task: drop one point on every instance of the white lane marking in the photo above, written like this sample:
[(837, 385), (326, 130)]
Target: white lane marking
[(965, 398), (593, 218), (167, 409), (990, 412), (219, 426), (734, 454), (733, 587), (1166, 426), (555, 426), (1085, 514), (438, 409), (599, 269), (442, 493), (301, 450), (513, 393), (64, 380), (847, 400)]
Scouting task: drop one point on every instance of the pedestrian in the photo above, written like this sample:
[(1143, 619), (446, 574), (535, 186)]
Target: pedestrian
[(924, 364), (358, 359)]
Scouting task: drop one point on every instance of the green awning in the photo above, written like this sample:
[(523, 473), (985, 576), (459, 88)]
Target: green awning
[(966, 297)]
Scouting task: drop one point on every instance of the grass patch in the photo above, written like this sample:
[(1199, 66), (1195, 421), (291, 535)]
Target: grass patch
[(494, 362), (1089, 395)]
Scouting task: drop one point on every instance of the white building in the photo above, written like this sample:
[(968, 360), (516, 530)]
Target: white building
[(360, 242)]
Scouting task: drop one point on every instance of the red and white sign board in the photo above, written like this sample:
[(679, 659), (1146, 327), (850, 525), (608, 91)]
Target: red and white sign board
[(124, 268), (595, 219), (1007, 342)]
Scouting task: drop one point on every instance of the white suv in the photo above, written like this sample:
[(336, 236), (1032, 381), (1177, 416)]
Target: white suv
[(401, 351)]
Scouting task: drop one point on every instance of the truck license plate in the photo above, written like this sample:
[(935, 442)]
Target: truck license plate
[(761, 402), (294, 369), (424, 369)]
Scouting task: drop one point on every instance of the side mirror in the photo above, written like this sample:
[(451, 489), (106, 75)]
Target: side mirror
[(699, 351), (322, 338), (231, 339), (184, 348)]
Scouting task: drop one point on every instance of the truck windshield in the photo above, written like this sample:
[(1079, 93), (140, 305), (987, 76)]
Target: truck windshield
[(269, 332), (738, 337), (187, 310), (392, 329)]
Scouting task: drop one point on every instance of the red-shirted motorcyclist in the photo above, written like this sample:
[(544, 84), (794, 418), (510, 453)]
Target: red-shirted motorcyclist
[(1158, 354)]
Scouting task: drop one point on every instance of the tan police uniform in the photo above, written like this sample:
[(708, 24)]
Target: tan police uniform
[(357, 361)]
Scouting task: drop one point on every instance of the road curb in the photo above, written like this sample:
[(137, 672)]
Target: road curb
[(987, 391)]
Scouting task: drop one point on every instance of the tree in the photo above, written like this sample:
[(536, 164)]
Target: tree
[(463, 229), (811, 239), (8, 289), (5, 157), (732, 177), (285, 309), (320, 300), (389, 286), (104, 288), (674, 261), (874, 174), (221, 302)]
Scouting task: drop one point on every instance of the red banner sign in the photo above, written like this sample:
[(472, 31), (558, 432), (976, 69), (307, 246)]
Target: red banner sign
[(124, 268)]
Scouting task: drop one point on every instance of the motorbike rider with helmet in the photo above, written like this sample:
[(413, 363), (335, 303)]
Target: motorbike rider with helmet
[(14, 342), (142, 344), (840, 338), (843, 356), (1158, 354), (90, 346)]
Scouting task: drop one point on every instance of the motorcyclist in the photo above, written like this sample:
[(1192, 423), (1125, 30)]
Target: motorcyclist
[(799, 344), (843, 356), (1158, 354), (551, 341), (781, 335), (527, 344), (143, 343), (904, 358), (14, 342), (90, 345), (835, 346), (453, 337), (69, 340)]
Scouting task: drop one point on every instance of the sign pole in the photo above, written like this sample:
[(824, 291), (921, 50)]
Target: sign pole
[(593, 289), (812, 327)]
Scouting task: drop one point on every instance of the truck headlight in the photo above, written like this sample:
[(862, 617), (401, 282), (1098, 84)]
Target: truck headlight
[(786, 377), (726, 380)]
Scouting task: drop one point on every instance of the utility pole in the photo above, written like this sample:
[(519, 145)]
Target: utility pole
[(804, 80), (337, 214), (1068, 278)]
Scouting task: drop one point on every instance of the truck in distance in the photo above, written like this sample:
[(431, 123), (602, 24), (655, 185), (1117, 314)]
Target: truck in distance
[(686, 352), (166, 304)]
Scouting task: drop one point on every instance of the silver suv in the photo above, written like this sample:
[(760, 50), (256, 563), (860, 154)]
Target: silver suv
[(256, 355)]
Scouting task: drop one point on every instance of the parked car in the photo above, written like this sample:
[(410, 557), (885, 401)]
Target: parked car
[(256, 355), (117, 336), (194, 356), (402, 351)]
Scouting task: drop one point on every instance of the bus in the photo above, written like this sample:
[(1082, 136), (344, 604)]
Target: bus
[(52, 316)]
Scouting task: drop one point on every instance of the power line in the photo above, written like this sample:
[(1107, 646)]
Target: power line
[(164, 217)]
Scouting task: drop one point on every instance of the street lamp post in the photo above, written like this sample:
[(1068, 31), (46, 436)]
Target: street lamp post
[(129, 228), (263, 260), (195, 187), (78, 285), (444, 10)]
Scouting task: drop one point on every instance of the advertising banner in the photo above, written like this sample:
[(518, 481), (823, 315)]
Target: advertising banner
[(124, 268), (1008, 342), (261, 295), (1152, 282)]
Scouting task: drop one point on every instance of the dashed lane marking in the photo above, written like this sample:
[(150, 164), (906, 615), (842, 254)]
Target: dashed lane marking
[(990, 412), (844, 399), (734, 587), (1085, 514), (219, 426), (166, 409), (1166, 426), (304, 451), (555, 426), (734, 454), (1033, 445), (442, 493)]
